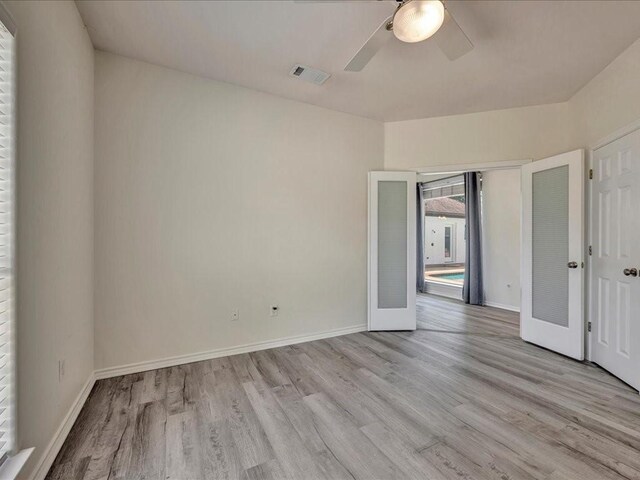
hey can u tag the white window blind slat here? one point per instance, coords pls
(7, 291)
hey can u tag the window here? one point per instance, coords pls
(444, 230)
(7, 228)
(447, 242)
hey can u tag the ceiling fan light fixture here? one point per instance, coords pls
(417, 20)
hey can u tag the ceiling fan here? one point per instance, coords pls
(414, 21)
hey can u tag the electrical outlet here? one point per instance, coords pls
(235, 315)
(273, 310)
(61, 369)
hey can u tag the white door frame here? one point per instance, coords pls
(471, 167)
(591, 320)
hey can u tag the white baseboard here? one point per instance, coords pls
(502, 306)
(49, 454)
(222, 352)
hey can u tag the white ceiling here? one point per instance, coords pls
(526, 52)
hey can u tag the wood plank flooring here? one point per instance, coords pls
(461, 398)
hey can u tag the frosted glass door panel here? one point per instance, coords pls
(550, 277)
(392, 244)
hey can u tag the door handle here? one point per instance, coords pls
(572, 264)
(630, 272)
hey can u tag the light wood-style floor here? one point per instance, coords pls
(461, 398)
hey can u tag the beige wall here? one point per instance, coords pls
(501, 237)
(211, 197)
(608, 102)
(55, 215)
(514, 134)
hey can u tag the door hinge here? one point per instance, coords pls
(589, 327)
(591, 174)
(590, 250)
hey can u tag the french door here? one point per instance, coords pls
(552, 312)
(392, 251)
(615, 261)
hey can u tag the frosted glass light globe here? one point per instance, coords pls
(417, 20)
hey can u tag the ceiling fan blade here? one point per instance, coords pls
(370, 48)
(451, 39)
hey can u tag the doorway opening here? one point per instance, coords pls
(444, 234)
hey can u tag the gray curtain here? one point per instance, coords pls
(419, 239)
(473, 290)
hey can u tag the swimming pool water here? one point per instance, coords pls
(450, 276)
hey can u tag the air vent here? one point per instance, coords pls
(308, 74)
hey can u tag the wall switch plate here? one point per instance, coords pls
(273, 310)
(235, 315)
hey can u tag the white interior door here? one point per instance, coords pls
(552, 313)
(615, 261)
(392, 251)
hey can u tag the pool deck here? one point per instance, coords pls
(432, 276)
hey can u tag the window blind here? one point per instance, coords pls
(7, 273)
(444, 187)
